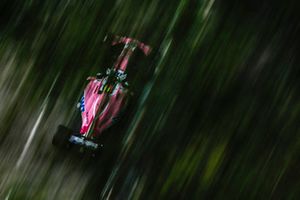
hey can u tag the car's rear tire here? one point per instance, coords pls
(61, 137)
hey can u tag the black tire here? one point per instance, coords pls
(61, 137)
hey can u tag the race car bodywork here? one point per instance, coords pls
(104, 98)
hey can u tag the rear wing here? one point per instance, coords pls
(133, 43)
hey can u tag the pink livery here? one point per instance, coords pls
(106, 95)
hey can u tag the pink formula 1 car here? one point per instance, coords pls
(104, 98)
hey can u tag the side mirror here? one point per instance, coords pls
(99, 76)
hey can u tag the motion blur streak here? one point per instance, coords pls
(30, 138)
(215, 111)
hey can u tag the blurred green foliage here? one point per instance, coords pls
(221, 113)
